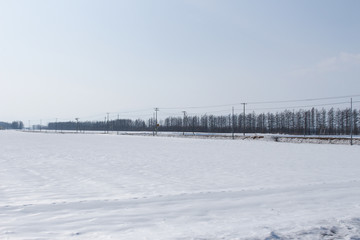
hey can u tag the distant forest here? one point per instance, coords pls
(304, 122)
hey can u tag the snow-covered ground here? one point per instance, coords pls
(97, 186)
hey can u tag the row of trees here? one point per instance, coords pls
(307, 122)
(13, 125)
(113, 125)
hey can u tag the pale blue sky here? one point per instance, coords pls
(72, 58)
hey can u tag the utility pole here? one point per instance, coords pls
(107, 124)
(351, 122)
(233, 128)
(77, 124)
(244, 118)
(40, 124)
(193, 125)
(152, 123)
(156, 122)
(117, 125)
(29, 126)
(305, 121)
(184, 122)
(56, 125)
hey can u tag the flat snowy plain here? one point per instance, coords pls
(97, 186)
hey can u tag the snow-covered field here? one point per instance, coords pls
(97, 186)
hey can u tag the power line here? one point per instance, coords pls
(124, 112)
(98, 116)
(213, 106)
(305, 100)
(258, 109)
(303, 106)
(265, 102)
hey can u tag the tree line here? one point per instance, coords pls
(299, 122)
(111, 125)
(13, 125)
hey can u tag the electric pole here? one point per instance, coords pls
(184, 122)
(77, 124)
(117, 125)
(152, 123)
(351, 122)
(107, 124)
(305, 122)
(56, 125)
(156, 122)
(40, 124)
(244, 118)
(233, 128)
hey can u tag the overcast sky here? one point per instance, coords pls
(73, 58)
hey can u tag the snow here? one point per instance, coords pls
(99, 186)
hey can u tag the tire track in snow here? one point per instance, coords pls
(122, 216)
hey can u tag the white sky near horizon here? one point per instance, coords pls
(83, 58)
